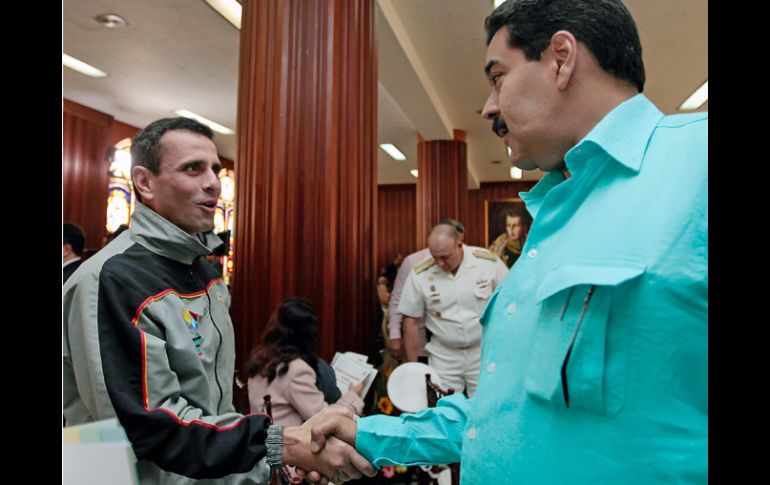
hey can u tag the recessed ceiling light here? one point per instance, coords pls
(696, 99)
(394, 152)
(81, 67)
(110, 20)
(516, 173)
(211, 124)
(229, 9)
(414, 173)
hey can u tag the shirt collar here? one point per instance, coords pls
(162, 237)
(623, 134)
(534, 198)
(70, 261)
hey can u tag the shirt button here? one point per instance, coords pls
(472, 433)
(532, 253)
(511, 308)
(491, 367)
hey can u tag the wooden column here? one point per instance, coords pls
(442, 183)
(85, 171)
(306, 168)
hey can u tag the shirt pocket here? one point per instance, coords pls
(483, 291)
(572, 364)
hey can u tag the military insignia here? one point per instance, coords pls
(191, 319)
(219, 297)
(480, 253)
(436, 300)
(424, 265)
(432, 288)
(438, 314)
(430, 278)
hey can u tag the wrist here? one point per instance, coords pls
(292, 441)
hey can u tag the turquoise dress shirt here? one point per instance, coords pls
(631, 224)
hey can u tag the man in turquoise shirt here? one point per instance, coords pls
(594, 363)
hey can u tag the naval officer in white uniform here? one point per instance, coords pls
(450, 290)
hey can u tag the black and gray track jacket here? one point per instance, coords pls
(147, 338)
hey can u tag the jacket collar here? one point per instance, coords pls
(164, 238)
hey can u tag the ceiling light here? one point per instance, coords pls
(394, 152)
(516, 173)
(211, 124)
(110, 20)
(81, 67)
(229, 9)
(696, 99)
(414, 173)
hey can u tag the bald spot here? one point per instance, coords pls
(441, 235)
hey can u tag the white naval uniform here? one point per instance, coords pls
(451, 306)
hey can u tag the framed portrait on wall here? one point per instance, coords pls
(506, 224)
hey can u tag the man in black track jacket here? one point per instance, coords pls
(147, 336)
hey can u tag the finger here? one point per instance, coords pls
(313, 477)
(324, 425)
(338, 409)
(362, 464)
(339, 426)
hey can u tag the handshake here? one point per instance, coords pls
(323, 448)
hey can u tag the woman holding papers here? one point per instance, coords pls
(285, 366)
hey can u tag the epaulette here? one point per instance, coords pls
(424, 265)
(480, 253)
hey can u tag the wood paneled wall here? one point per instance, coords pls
(396, 227)
(474, 226)
(442, 187)
(85, 140)
(306, 169)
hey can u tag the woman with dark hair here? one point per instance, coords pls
(286, 367)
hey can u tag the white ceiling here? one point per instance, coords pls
(176, 54)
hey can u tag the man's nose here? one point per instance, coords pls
(491, 109)
(212, 182)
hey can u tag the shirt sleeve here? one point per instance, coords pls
(412, 303)
(302, 393)
(307, 399)
(433, 436)
(394, 316)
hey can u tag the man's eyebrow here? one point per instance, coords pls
(490, 65)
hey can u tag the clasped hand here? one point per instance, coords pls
(323, 448)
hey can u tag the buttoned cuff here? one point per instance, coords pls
(274, 445)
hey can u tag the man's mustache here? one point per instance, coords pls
(498, 126)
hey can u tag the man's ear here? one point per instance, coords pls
(143, 182)
(562, 53)
(67, 250)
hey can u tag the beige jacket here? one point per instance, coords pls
(294, 395)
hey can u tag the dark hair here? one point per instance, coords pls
(291, 333)
(146, 147)
(73, 235)
(605, 26)
(520, 212)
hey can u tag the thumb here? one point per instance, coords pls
(335, 424)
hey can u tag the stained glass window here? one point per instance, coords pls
(120, 194)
